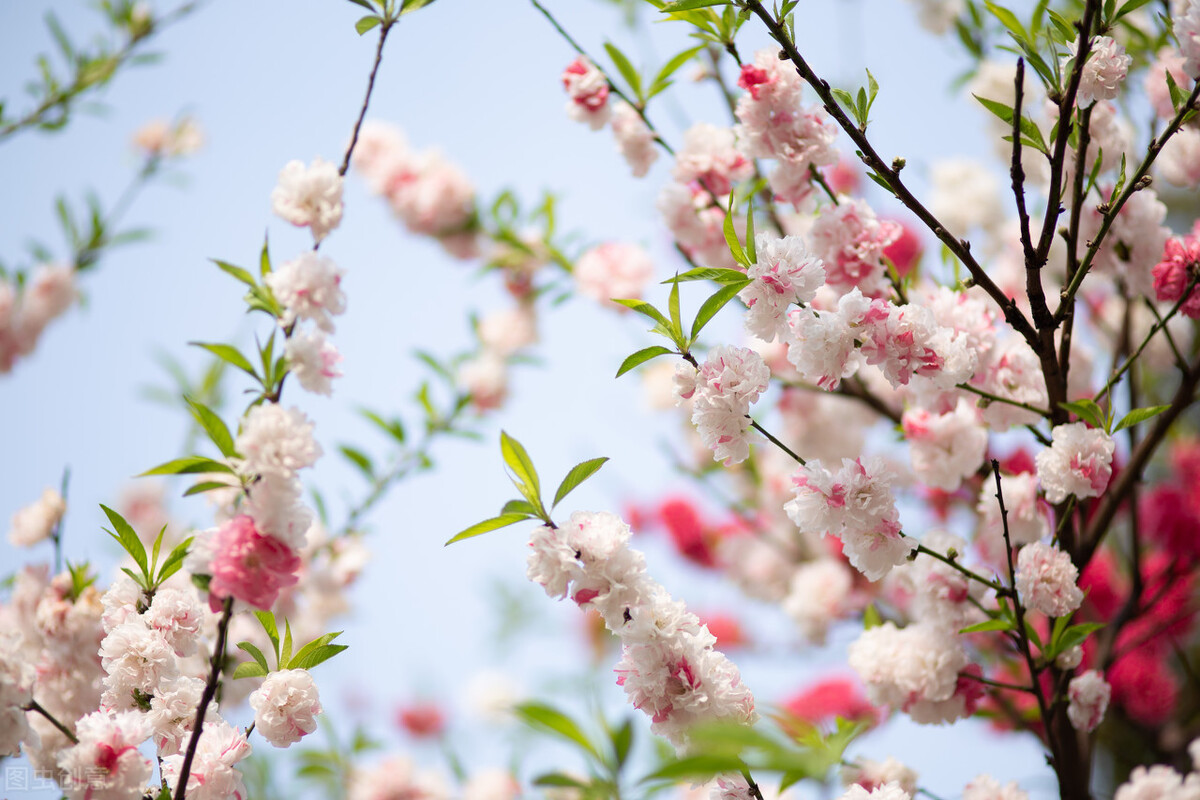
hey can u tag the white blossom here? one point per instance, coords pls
(313, 359)
(36, 522)
(1078, 462)
(286, 706)
(1047, 580)
(783, 274)
(308, 287)
(309, 196)
(1089, 694)
(276, 442)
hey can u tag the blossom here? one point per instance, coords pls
(1089, 694)
(1158, 782)
(137, 659)
(173, 712)
(905, 667)
(16, 690)
(985, 787)
(37, 521)
(275, 505)
(485, 380)
(249, 566)
(1135, 241)
(634, 138)
(613, 270)
(1187, 31)
(1155, 82)
(710, 158)
(965, 195)
(1105, 69)
(945, 448)
(1047, 580)
(855, 505)
(784, 273)
(435, 197)
(587, 89)
(850, 239)
(727, 383)
(510, 331)
(309, 196)
(286, 706)
(48, 294)
(1027, 521)
(106, 764)
(871, 775)
(160, 138)
(276, 441)
(313, 359)
(823, 345)
(397, 778)
(1179, 266)
(1078, 462)
(940, 594)
(212, 776)
(937, 16)
(887, 791)
(821, 593)
(308, 287)
(1179, 160)
(696, 223)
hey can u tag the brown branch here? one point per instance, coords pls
(210, 691)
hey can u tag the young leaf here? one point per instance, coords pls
(871, 617)
(249, 669)
(366, 23)
(128, 539)
(1009, 20)
(188, 466)
(998, 624)
(519, 507)
(646, 310)
(255, 653)
(537, 715)
(174, 561)
(237, 272)
(522, 467)
(709, 274)
(626, 69)
(205, 486)
(1087, 410)
(641, 357)
(488, 525)
(673, 308)
(230, 355)
(735, 247)
(710, 307)
(751, 253)
(662, 79)
(316, 651)
(359, 459)
(1137, 416)
(213, 426)
(578, 474)
(267, 620)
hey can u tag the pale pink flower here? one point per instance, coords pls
(824, 344)
(727, 383)
(137, 659)
(773, 124)
(309, 196)
(937, 593)
(850, 239)
(945, 448)
(173, 712)
(314, 360)
(276, 441)
(507, 332)
(965, 195)
(308, 287)
(1012, 371)
(1047, 580)
(159, 138)
(485, 379)
(784, 274)
(1158, 782)
(710, 158)
(275, 504)
(49, 293)
(985, 787)
(1135, 240)
(1179, 160)
(249, 566)
(380, 148)
(1027, 516)
(887, 791)
(213, 776)
(36, 522)
(286, 706)
(904, 667)
(1089, 694)
(434, 197)
(1178, 267)
(397, 778)
(1078, 462)
(821, 593)
(16, 690)
(491, 784)
(1187, 31)
(588, 90)
(613, 270)
(937, 16)
(1106, 67)
(696, 223)
(906, 342)
(106, 764)
(634, 138)
(872, 774)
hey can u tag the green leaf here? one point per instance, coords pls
(267, 620)
(646, 310)
(249, 669)
(1028, 127)
(709, 274)
(364, 4)
(1138, 415)
(188, 466)
(1075, 635)
(696, 768)
(213, 426)
(1128, 7)
(253, 651)
(735, 247)
(519, 507)
(625, 68)
(264, 257)
(688, 5)
(673, 308)
(1009, 20)
(559, 779)
(998, 624)
(1087, 410)
(710, 307)
(871, 617)
(304, 658)
(174, 561)
(751, 253)
(359, 459)
(205, 486)
(487, 526)
(622, 740)
(285, 652)
(547, 718)
(409, 6)
(230, 355)
(577, 475)
(237, 272)
(662, 79)
(128, 539)
(525, 476)
(641, 357)
(392, 427)
(366, 23)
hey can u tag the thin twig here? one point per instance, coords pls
(210, 690)
(35, 706)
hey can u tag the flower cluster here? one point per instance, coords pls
(26, 311)
(722, 391)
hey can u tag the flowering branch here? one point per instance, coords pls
(210, 690)
(34, 705)
(891, 176)
(998, 588)
(384, 27)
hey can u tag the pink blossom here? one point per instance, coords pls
(613, 270)
(587, 89)
(851, 240)
(1105, 69)
(1180, 265)
(1089, 694)
(1078, 462)
(249, 566)
(1047, 580)
(710, 158)
(634, 138)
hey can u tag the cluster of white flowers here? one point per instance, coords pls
(1047, 580)
(397, 777)
(774, 124)
(668, 666)
(213, 774)
(784, 273)
(873, 774)
(106, 762)
(25, 313)
(286, 706)
(931, 591)
(1186, 23)
(309, 196)
(1159, 782)
(850, 239)
(635, 140)
(855, 505)
(722, 391)
(821, 593)
(309, 288)
(1089, 694)
(1078, 462)
(946, 448)
(903, 341)
(428, 193)
(16, 690)
(1105, 69)
(613, 270)
(36, 521)
(985, 787)
(886, 791)
(915, 669)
